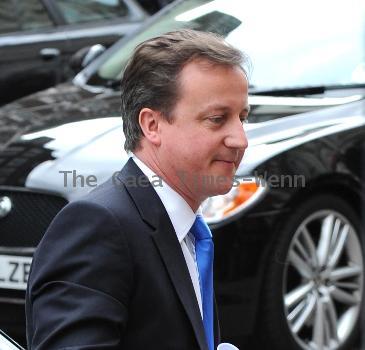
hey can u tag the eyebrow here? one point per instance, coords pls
(246, 109)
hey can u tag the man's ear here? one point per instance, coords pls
(149, 121)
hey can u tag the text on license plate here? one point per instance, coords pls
(14, 271)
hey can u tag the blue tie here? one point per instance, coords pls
(204, 250)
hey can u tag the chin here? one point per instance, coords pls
(214, 184)
(219, 190)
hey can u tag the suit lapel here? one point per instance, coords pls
(153, 212)
(171, 253)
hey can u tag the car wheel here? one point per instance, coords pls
(315, 279)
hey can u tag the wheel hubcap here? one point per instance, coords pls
(323, 281)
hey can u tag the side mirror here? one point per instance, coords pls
(6, 343)
(81, 58)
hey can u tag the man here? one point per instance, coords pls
(121, 268)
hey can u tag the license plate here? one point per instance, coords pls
(14, 271)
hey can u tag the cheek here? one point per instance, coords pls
(177, 153)
(191, 157)
(188, 148)
(207, 147)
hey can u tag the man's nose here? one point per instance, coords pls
(237, 137)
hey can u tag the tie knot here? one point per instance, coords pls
(200, 229)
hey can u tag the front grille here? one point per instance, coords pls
(29, 217)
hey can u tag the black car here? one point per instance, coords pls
(289, 237)
(38, 38)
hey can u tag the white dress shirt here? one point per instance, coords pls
(182, 218)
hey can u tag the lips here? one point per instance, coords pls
(229, 158)
(228, 161)
(229, 164)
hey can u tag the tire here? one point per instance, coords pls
(313, 287)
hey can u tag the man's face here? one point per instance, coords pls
(203, 146)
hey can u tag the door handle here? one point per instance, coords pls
(49, 53)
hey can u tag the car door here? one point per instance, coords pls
(31, 49)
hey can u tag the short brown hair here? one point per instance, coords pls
(151, 75)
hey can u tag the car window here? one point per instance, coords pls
(8, 22)
(32, 15)
(322, 53)
(79, 11)
(23, 15)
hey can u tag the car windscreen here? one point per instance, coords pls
(289, 43)
(84, 11)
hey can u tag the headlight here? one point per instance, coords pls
(245, 192)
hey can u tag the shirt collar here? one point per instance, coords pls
(181, 215)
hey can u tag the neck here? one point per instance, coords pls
(173, 180)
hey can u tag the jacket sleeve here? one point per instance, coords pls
(80, 282)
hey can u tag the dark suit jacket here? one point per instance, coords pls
(110, 274)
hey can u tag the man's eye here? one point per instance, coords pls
(216, 119)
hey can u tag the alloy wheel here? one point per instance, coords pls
(323, 281)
